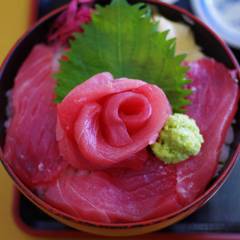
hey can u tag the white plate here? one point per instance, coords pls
(223, 16)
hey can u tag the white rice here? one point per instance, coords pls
(225, 151)
(9, 109)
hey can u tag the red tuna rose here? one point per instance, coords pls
(106, 122)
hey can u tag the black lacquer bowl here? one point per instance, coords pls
(211, 45)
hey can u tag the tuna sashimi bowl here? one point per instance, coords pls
(120, 117)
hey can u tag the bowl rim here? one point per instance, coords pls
(199, 201)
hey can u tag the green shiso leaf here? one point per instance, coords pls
(123, 39)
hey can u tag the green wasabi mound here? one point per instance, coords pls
(179, 139)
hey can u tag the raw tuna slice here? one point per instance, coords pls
(105, 122)
(31, 147)
(214, 103)
(116, 196)
(128, 195)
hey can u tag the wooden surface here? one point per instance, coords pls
(14, 19)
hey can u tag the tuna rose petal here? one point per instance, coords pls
(106, 122)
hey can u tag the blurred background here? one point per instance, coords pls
(15, 17)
